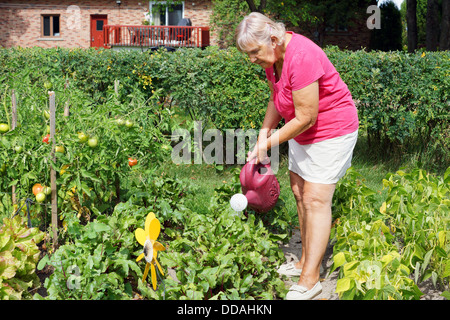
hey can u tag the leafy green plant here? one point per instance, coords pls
(385, 250)
(19, 255)
(417, 207)
(370, 265)
(218, 255)
(100, 261)
(221, 256)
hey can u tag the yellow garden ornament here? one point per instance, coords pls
(147, 238)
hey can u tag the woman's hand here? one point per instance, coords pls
(259, 153)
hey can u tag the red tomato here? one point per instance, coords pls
(37, 188)
(46, 139)
(132, 162)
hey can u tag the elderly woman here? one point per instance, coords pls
(321, 125)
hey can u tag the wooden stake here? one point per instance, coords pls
(67, 106)
(116, 86)
(54, 197)
(13, 126)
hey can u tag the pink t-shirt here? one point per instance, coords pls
(304, 63)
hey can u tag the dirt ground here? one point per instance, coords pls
(292, 251)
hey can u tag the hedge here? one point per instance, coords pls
(402, 98)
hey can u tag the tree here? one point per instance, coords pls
(225, 17)
(432, 27)
(314, 15)
(424, 26)
(389, 37)
(444, 42)
(260, 8)
(411, 20)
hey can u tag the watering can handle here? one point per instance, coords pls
(258, 178)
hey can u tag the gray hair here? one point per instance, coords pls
(258, 29)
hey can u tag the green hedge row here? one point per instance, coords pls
(402, 98)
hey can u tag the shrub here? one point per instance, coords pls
(402, 101)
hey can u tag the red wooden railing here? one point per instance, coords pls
(154, 36)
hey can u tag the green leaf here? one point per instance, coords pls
(343, 284)
(339, 260)
(43, 262)
(446, 272)
(446, 295)
(100, 227)
(426, 260)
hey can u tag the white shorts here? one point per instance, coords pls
(322, 162)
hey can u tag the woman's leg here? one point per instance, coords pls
(314, 212)
(297, 184)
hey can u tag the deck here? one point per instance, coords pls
(155, 36)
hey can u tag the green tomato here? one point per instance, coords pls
(166, 147)
(83, 137)
(60, 149)
(18, 149)
(120, 122)
(40, 197)
(4, 127)
(48, 85)
(46, 114)
(129, 123)
(47, 191)
(93, 142)
(3, 168)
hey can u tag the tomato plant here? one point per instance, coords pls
(91, 151)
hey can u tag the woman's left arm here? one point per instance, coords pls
(306, 104)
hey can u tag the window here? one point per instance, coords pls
(99, 26)
(50, 26)
(336, 28)
(162, 14)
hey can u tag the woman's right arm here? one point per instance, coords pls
(272, 117)
(271, 120)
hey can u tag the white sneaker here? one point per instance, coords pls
(297, 292)
(289, 270)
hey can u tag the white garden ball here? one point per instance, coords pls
(238, 202)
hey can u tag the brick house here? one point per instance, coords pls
(64, 23)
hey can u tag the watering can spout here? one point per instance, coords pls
(260, 186)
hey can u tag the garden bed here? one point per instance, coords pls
(104, 188)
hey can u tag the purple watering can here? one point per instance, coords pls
(260, 186)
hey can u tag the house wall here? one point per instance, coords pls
(20, 21)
